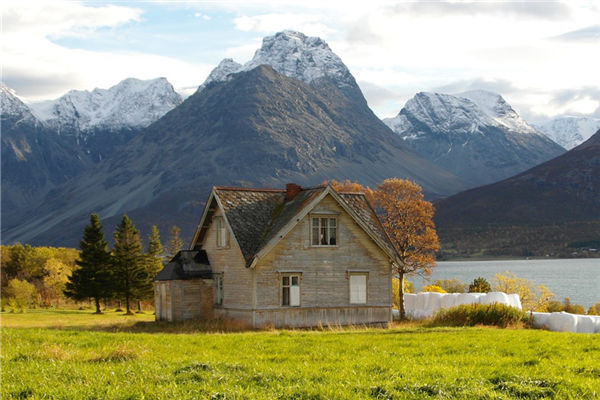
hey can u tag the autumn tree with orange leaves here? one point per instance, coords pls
(408, 221)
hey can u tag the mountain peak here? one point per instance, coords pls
(132, 103)
(294, 55)
(12, 107)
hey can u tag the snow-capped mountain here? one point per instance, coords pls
(13, 108)
(476, 135)
(570, 131)
(294, 55)
(131, 104)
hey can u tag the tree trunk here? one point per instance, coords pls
(401, 296)
(97, 301)
(139, 304)
(127, 306)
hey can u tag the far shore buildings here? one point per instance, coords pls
(291, 257)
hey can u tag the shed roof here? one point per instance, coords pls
(187, 264)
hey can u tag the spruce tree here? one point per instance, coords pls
(153, 258)
(129, 265)
(93, 277)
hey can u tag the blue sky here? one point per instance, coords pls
(541, 56)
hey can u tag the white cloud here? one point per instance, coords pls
(40, 69)
(310, 24)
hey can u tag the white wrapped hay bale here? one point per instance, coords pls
(541, 320)
(467, 298)
(596, 323)
(448, 300)
(432, 304)
(514, 301)
(410, 302)
(563, 322)
(585, 324)
(494, 297)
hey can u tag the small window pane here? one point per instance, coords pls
(315, 231)
(324, 231)
(294, 281)
(332, 222)
(358, 289)
(285, 299)
(332, 236)
(295, 296)
(286, 281)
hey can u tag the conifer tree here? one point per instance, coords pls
(175, 243)
(129, 265)
(93, 277)
(153, 259)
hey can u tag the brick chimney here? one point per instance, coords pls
(291, 190)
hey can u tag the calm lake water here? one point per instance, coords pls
(578, 279)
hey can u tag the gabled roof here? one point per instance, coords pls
(259, 218)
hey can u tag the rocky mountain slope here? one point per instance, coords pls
(34, 158)
(103, 119)
(258, 128)
(557, 202)
(570, 131)
(475, 135)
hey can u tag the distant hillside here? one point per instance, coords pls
(551, 208)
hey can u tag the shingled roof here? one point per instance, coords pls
(187, 264)
(258, 216)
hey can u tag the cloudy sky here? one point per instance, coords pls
(542, 56)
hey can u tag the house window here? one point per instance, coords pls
(290, 290)
(221, 232)
(324, 231)
(358, 289)
(218, 289)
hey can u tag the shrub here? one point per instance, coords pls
(594, 309)
(532, 298)
(480, 314)
(555, 306)
(433, 288)
(480, 285)
(21, 295)
(572, 308)
(451, 285)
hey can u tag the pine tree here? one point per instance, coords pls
(129, 265)
(93, 277)
(175, 243)
(153, 260)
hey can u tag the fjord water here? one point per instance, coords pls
(578, 279)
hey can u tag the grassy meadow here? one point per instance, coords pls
(78, 355)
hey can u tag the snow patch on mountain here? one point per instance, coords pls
(12, 106)
(130, 104)
(467, 112)
(292, 54)
(570, 131)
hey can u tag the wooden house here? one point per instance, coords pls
(289, 257)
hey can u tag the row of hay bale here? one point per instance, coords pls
(425, 305)
(565, 322)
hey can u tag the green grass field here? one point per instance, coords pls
(78, 355)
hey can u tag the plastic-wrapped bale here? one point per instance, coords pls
(585, 324)
(410, 301)
(494, 297)
(541, 319)
(596, 323)
(432, 304)
(514, 301)
(467, 298)
(563, 322)
(448, 300)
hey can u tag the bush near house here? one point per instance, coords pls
(480, 314)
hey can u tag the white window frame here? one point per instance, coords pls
(222, 234)
(332, 222)
(291, 282)
(356, 296)
(218, 298)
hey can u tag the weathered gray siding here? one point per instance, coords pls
(237, 279)
(184, 299)
(324, 283)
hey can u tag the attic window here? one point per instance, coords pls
(222, 237)
(324, 231)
